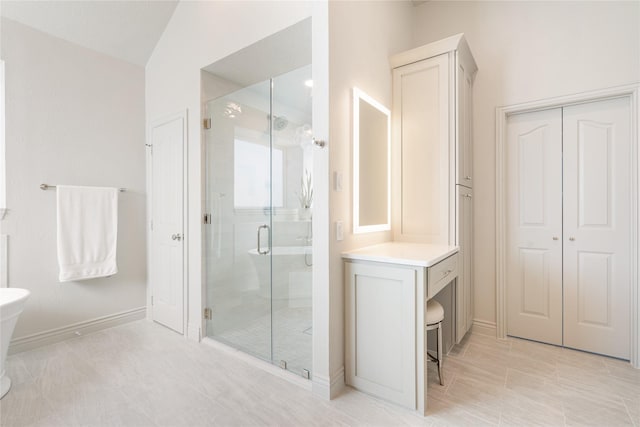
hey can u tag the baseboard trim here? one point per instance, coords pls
(484, 327)
(193, 332)
(52, 336)
(321, 386)
(337, 383)
(328, 388)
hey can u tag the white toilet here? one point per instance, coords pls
(12, 302)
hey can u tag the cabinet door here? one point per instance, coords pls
(381, 331)
(597, 184)
(534, 226)
(464, 240)
(422, 194)
(464, 137)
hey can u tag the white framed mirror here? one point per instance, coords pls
(371, 164)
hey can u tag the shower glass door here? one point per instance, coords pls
(258, 240)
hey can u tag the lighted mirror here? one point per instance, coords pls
(371, 161)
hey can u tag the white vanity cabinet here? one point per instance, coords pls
(433, 155)
(386, 291)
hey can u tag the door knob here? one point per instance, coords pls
(177, 237)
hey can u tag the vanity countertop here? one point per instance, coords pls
(414, 254)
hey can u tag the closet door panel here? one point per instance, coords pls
(464, 240)
(596, 164)
(464, 145)
(422, 98)
(534, 223)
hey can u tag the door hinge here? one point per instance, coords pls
(207, 313)
(207, 218)
(206, 123)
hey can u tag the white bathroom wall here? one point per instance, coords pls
(528, 51)
(362, 37)
(73, 116)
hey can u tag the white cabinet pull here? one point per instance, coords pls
(444, 273)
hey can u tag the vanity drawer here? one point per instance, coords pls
(441, 274)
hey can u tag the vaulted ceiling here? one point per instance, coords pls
(128, 30)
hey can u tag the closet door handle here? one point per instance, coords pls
(260, 251)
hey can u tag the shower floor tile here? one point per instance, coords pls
(291, 337)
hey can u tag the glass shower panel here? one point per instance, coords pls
(259, 192)
(292, 260)
(239, 198)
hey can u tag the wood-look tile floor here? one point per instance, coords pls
(142, 374)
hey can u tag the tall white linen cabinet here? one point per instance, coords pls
(432, 197)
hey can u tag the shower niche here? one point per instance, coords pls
(259, 199)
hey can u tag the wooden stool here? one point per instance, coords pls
(435, 316)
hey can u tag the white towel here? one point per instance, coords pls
(87, 232)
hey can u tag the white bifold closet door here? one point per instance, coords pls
(534, 223)
(569, 226)
(597, 215)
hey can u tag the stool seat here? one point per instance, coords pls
(435, 312)
(434, 318)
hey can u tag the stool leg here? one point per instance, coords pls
(440, 353)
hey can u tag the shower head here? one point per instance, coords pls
(279, 123)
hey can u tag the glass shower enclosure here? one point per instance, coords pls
(258, 236)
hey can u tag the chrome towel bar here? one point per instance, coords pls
(49, 187)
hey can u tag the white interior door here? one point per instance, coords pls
(534, 224)
(597, 243)
(167, 223)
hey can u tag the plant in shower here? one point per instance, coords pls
(306, 191)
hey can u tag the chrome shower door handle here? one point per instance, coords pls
(260, 251)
